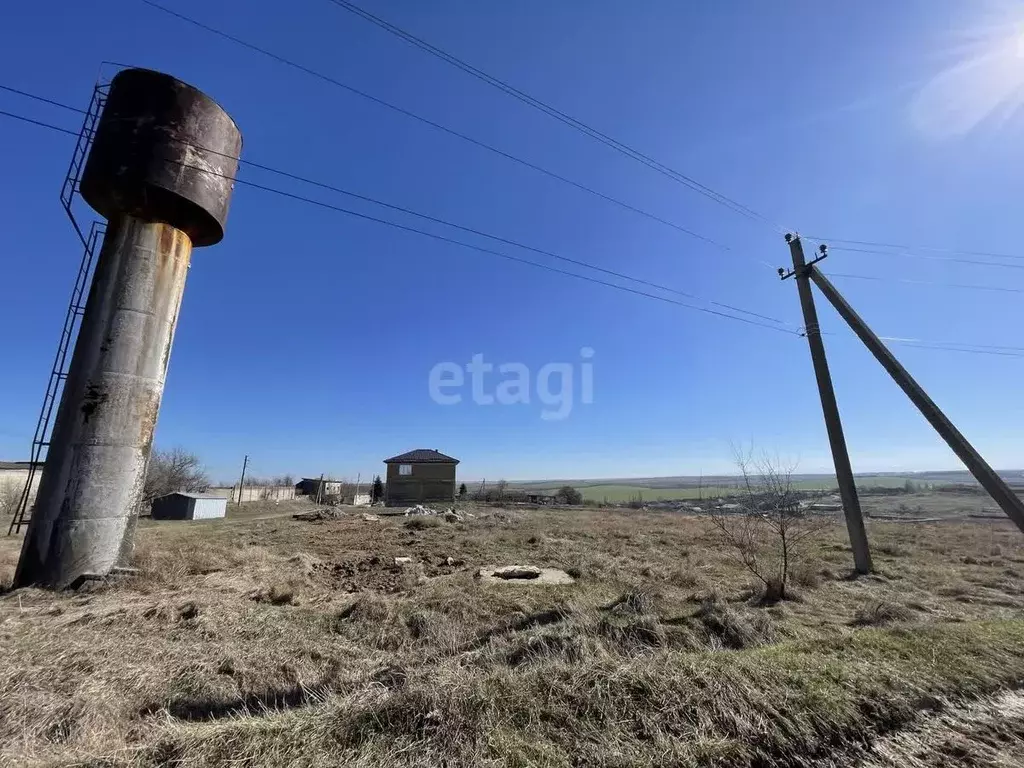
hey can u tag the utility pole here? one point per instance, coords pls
(997, 488)
(830, 409)
(241, 482)
(320, 489)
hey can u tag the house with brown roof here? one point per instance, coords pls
(422, 476)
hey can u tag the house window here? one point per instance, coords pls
(405, 469)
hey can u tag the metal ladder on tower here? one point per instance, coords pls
(58, 375)
(76, 308)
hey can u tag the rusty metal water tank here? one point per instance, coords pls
(163, 151)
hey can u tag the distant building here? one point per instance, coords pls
(315, 487)
(189, 506)
(539, 497)
(422, 476)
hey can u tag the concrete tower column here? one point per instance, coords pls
(161, 170)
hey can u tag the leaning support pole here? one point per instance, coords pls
(1010, 503)
(830, 409)
(160, 169)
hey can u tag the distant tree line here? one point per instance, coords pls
(263, 482)
(499, 493)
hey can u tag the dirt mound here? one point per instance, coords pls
(370, 573)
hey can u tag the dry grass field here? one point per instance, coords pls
(268, 641)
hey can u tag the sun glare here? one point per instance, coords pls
(986, 85)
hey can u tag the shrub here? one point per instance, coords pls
(807, 575)
(568, 495)
(892, 550)
(422, 522)
(725, 626)
(882, 614)
(631, 635)
(769, 532)
(10, 495)
(638, 602)
(546, 646)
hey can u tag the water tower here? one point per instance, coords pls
(161, 170)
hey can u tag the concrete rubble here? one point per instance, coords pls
(517, 572)
(523, 574)
(419, 509)
(450, 514)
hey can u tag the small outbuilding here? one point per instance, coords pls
(182, 505)
(318, 488)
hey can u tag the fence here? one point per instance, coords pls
(256, 493)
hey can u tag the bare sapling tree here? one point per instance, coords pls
(499, 490)
(174, 470)
(10, 496)
(766, 527)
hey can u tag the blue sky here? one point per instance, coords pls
(307, 337)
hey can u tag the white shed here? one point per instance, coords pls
(181, 505)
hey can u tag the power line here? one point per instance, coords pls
(951, 344)
(44, 100)
(426, 121)
(1007, 351)
(966, 348)
(41, 98)
(444, 222)
(963, 286)
(500, 239)
(930, 256)
(38, 122)
(953, 251)
(442, 238)
(557, 114)
(944, 346)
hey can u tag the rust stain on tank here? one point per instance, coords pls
(166, 238)
(147, 416)
(174, 256)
